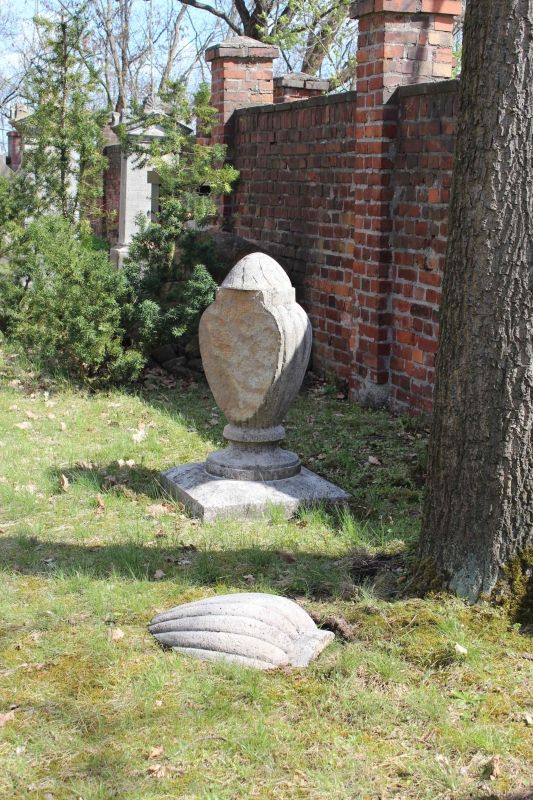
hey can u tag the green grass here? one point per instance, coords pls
(393, 712)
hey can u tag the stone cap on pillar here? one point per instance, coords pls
(235, 47)
(361, 8)
(301, 80)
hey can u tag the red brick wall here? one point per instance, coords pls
(305, 198)
(396, 46)
(421, 181)
(294, 198)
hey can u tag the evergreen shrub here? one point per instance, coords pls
(63, 301)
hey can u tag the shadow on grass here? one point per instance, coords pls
(319, 577)
(124, 479)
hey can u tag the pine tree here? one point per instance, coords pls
(63, 133)
(166, 267)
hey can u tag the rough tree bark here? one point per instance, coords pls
(479, 505)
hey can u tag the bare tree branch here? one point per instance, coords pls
(215, 12)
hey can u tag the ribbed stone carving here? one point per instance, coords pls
(255, 342)
(254, 629)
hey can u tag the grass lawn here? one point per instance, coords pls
(91, 549)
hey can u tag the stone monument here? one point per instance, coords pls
(255, 342)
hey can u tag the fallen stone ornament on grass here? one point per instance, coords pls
(257, 630)
(255, 342)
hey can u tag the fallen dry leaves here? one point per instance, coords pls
(164, 771)
(139, 434)
(158, 510)
(24, 426)
(9, 716)
(493, 768)
(117, 634)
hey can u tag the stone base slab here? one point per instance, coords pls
(119, 254)
(208, 497)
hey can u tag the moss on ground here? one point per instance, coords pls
(514, 591)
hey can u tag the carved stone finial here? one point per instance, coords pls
(255, 342)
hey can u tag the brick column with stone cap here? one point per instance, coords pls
(298, 86)
(241, 75)
(400, 42)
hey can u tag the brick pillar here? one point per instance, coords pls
(14, 137)
(14, 149)
(298, 86)
(400, 42)
(241, 75)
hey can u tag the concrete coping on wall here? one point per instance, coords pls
(361, 8)
(241, 47)
(439, 87)
(308, 102)
(301, 80)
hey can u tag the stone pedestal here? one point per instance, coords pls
(209, 498)
(255, 342)
(119, 254)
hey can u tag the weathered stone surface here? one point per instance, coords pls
(258, 630)
(209, 497)
(255, 342)
(239, 341)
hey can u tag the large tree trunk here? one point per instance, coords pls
(479, 504)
